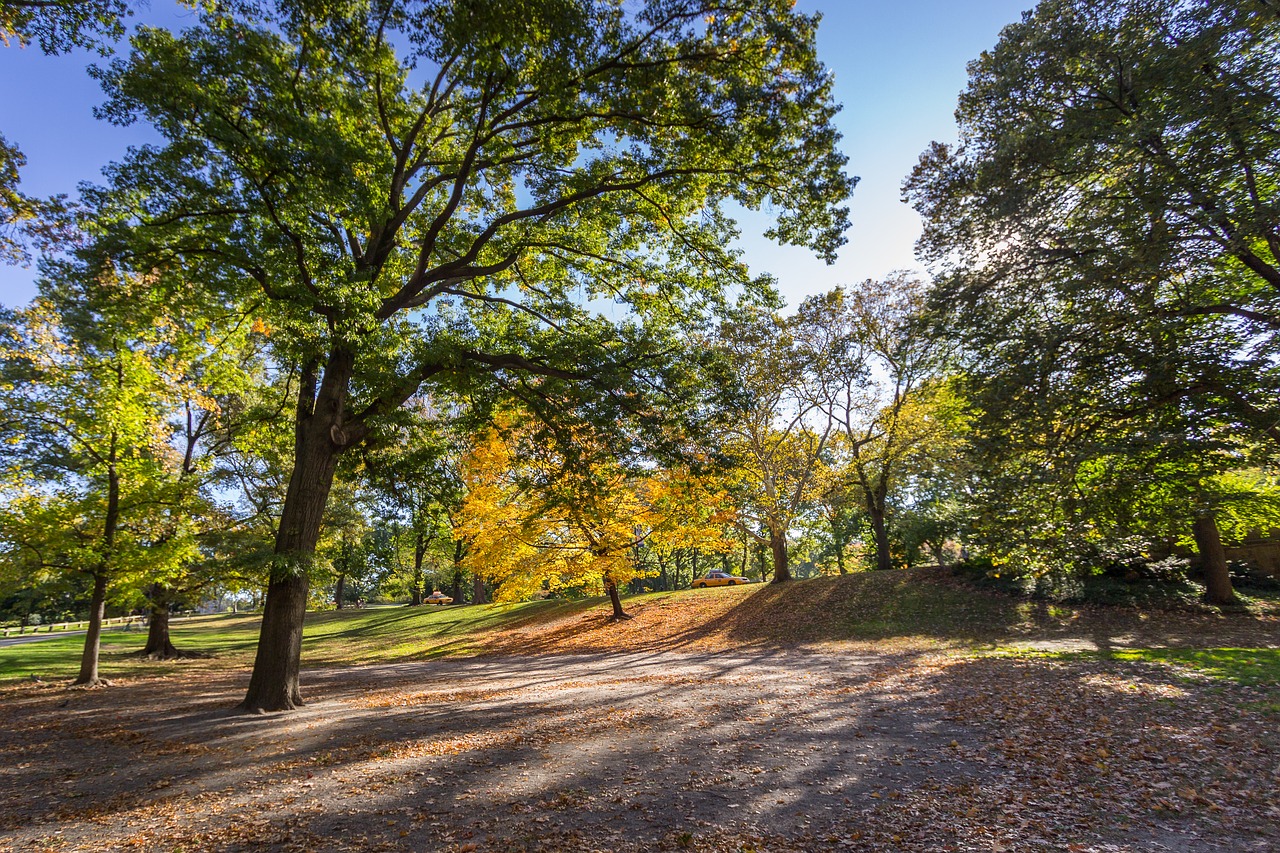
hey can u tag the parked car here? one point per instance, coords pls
(715, 577)
(437, 597)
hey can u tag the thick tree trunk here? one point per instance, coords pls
(615, 600)
(159, 645)
(880, 533)
(338, 591)
(88, 676)
(1213, 559)
(778, 545)
(274, 683)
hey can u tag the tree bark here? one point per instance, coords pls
(419, 555)
(274, 684)
(837, 538)
(456, 592)
(88, 676)
(159, 645)
(939, 554)
(339, 589)
(615, 600)
(778, 545)
(98, 602)
(1213, 559)
(880, 533)
(478, 595)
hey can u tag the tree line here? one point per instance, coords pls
(425, 294)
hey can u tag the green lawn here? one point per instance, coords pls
(331, 638)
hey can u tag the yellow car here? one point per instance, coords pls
(437, 597)
(715, 577)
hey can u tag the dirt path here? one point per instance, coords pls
(644, 751)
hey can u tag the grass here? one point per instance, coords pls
(1250, 667)
(331, 638)
(918, 609)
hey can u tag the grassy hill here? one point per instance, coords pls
(903, 610)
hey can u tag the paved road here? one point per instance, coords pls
(36, 638)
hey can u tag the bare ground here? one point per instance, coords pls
(642, 750)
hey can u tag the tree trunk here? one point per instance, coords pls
(939, 554)
(159, 646)
(778, 545)
(1213, 559)
(456, 592)
(612, 589)
(88, 676)
(338, 591)
(478, 595)
(837, 539)
(419, 555)
(274, 683)
(880, 534)
(98, 602)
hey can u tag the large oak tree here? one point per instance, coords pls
(1107, 234)
(449, 192)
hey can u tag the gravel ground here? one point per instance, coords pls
(652, 750)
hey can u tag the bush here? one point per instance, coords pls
(1125, 580)
(1245, 576)
(982, 573)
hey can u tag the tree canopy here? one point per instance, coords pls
(440, 192)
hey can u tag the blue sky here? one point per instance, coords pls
(898, 65)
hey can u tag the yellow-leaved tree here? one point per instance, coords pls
(538, 520)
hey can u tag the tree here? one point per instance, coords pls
(87, 395)
(1106, 232)
(421, 193)
(770, 438)
(876, 377)
(57, 26)
(536, 520)
(412, 475)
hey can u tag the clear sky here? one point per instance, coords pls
(899, 65)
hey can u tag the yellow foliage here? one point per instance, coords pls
(537, 523)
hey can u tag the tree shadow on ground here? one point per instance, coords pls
(648, 750)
